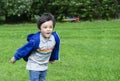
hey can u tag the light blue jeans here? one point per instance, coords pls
(38, 75)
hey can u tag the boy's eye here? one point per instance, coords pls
(45, 26)
(51, 26)
(48, 27)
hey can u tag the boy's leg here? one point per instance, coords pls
(43, 75)
(34, 75)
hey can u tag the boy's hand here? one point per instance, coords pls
(52, 62)
(12, 60)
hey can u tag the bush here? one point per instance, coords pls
(84, 9)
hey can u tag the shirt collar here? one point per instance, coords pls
(45, 40)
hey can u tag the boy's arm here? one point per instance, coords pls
(23, 51)
(55, 52)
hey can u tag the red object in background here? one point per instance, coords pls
(69, 19)
(76, 19)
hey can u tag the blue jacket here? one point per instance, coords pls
(33, 44)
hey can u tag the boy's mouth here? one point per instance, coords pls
(48, 33)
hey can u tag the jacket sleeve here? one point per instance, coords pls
(24, 50)
(55, 52)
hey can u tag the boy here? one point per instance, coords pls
(42, 47)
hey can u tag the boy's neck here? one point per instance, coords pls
(46, 38)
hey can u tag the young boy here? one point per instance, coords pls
(42, 47)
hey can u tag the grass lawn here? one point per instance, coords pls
(90, 51)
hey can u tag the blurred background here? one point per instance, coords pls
(15, 11)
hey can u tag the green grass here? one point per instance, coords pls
(90, 51)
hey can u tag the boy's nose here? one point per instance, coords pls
(48, 28)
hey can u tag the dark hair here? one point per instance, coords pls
(45, 17)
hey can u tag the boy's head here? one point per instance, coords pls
(45, 17)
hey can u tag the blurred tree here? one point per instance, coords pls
(25, 10)
(17, 10)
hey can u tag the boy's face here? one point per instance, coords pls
(46, 28)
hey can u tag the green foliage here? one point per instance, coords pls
(84, 9)
(1, 7)
(16, 10)
(17, 7)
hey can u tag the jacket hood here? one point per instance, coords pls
(32, 36)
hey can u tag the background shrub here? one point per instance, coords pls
(26, 10)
